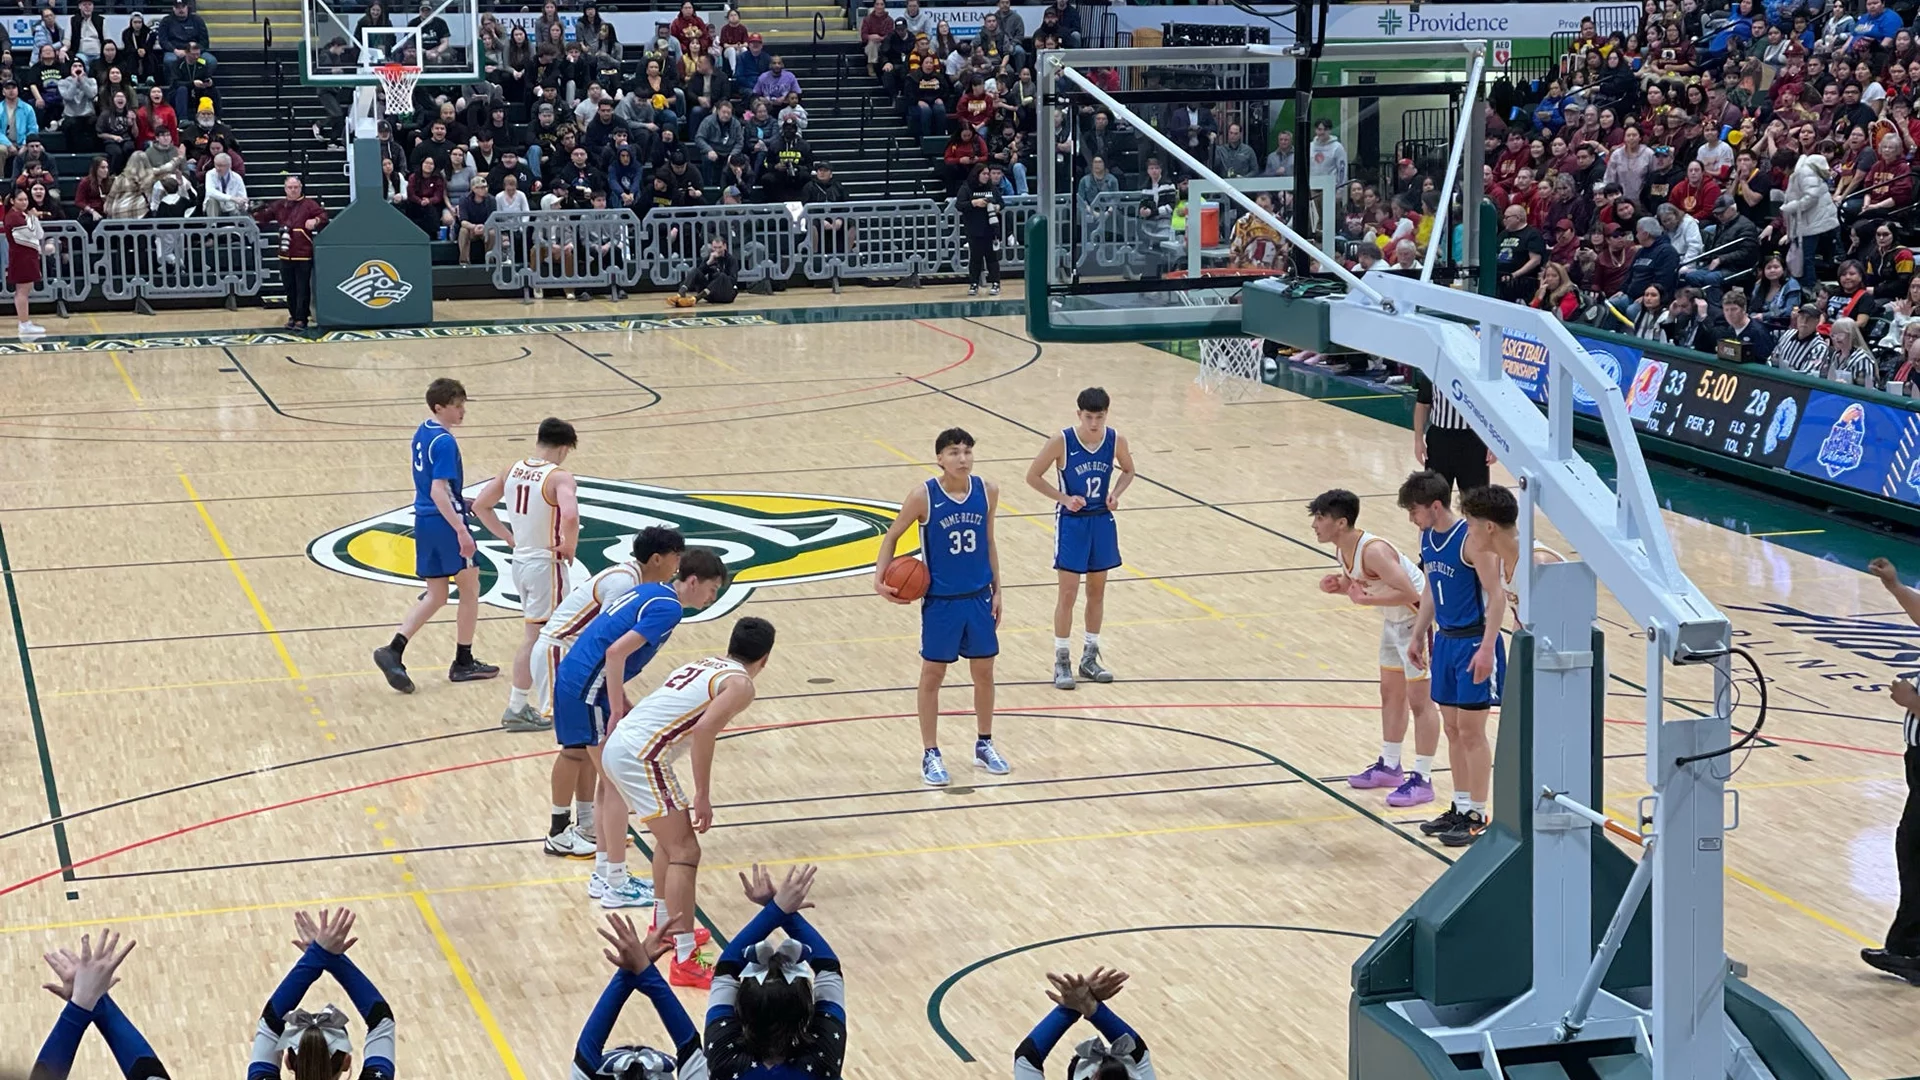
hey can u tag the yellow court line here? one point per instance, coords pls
(703, 354)
(240, 576)
(125, 377)
(465, 978)
(1771, 893)
(495, 886)
(1788, 532)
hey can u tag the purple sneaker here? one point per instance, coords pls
(1418, 789)
(1377, 775)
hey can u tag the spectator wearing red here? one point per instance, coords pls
(1555, 292)
(1889, 168)
(1696, 194)
(694, 33)
(156, 114)
(1514, 158)
(965, 149)
(1887, 266)
(975, 106)
(1530, 195)
(875, 29)
(296, 218)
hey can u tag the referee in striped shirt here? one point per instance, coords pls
(1901, 957)
(1443, 440)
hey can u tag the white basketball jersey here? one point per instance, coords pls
(1373, 586)
(534, 515)
(657, 726)
(590, 597)
(1513, 598)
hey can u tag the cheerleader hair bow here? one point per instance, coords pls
(1093, 1055)
(789, 957)
(330, 1022)
(637, 1063)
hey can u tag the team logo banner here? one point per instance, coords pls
(767, 539)
(375, 284)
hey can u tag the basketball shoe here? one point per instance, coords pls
(389, 664)
(632, 892)
(1377, 775)
(1062, 670)
(695, 972)
(932, 769)
(1416, 791)
(469, 671)
(1447, 820)
(1465, 830)
(987, 756)
(525, 718)
(1090, 668)
(569, 844)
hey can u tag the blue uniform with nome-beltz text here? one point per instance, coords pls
(436, 547)
(956, 618)
(580, 684)
(1086, 541)
(1459, 622)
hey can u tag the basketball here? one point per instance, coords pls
(908, 576)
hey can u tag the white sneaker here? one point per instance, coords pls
(31, 329)
(632, 892)
(596, 885)
(569, 844)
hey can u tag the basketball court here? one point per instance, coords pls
(196, 575)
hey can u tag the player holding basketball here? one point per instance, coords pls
(589, 694)
(687, 712)
(961, 613)
(656, 558)
(1375, 574)
(1095, 467)
(443, 549)
(541, 501)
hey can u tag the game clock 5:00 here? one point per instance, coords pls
(1741, 414)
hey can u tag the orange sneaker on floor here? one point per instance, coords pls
(696, 972)
(682, 301)
(701, 935)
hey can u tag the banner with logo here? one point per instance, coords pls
(20, 28)
(372, 266)
(1376, 22)
(1525, 360)
(1865, 445)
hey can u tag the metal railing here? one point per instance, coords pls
(146, 259)
(564, 249)
(63, 265)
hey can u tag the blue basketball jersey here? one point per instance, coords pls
(1452, 585)
(954, 540)
(436, 456)
(1088, 473)
(651, 610)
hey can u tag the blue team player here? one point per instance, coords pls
(1095, 467)
(961, 613)
(443, 549)
(587, 704)
(1466, 667)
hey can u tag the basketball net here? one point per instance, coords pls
(398, 80)
(1228, 365)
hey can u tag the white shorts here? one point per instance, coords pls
(648, 785)
(541, 583)
(1396, 635)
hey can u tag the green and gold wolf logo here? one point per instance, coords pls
(766, 538)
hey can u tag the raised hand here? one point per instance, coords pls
(1072, 992)
(332, 931)
(1106, 982)
(791, 896)
(759, 888)
(64, 965)
(630, 951)
(93, 976)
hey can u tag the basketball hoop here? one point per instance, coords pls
(1228, 365)
(398, 80)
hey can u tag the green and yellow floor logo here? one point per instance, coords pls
(766, 538)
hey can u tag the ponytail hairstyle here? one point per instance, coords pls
(775, 1005)
(316, 1044)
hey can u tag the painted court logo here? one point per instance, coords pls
(766, 538)
(376, 284)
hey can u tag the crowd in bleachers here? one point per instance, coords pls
(1734, 179)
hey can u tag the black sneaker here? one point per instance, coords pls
(1904, 967)
(389, 664)
(471, 671)
(1442, 823)
(1466, 829)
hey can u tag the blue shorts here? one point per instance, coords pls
(1453, 683)
(1086, 544)
(436, 548)
(955, 626)
(576, 721)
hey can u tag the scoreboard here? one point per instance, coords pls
(1751, 413)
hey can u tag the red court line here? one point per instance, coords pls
(224, 818)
